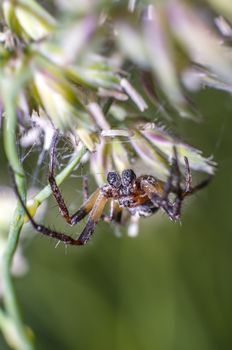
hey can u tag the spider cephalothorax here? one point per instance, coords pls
(128, 192)
(141, 196)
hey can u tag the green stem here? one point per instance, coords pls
(10, 301)
(11, 323)
(2, 318)
(21, 340)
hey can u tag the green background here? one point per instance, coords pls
(168, 288)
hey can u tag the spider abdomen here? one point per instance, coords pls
(145, 210)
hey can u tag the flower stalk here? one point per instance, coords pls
(19, 340)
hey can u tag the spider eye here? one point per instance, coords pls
(128, 177)
(114, 179)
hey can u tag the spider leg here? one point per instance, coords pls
(51, 178)
(115, 213)
(93, 218)
(169, 183)
(42, 229)
(172, 208)
(189, 189)
(174, 214)
(154, 191)
(158, 192)
(109, 218)
(95, 214)
(188, 177)
(85, 188)
(158, 200)
(85, 209)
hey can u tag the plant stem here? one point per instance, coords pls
(10, 301)
(21, 340)
(11, 323)
(2, 318)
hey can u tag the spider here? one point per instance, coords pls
(141, 196)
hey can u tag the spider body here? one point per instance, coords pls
(140, 196)
(128, 192)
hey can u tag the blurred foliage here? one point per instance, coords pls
(102, 73)
(170, 288)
